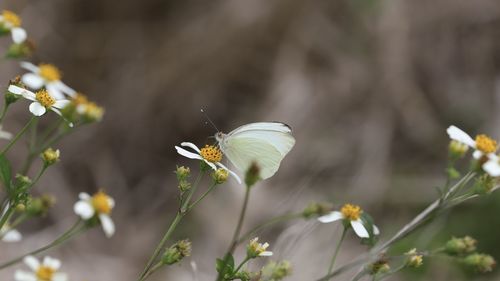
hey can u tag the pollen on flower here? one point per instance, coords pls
(45, 99)
(211, 153)
(351, 212)
(11, 18)
(49, 72)
(485, 144)
(45, 273)
(100, 202)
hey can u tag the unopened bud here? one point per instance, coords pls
(40, 206)
(380, 266)
(484, 184)
(177, 252)
(252, 175)
(480, 262)
(220, 176)
(182, 173)
(277, 270)
(457, 149)
(317, 209)
(460, 246)
(50, 156)
(413, 258)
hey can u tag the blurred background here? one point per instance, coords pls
(368, 87)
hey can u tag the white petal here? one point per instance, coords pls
(492, 168)
(65, 89)
(18, 35)
(32, 262)
(18, 90)
(52, 263)
(29, 66)
(188, 154)
(84, 196)
(5, 135)
(360, 229)
(12, 236)
(84, 209)
(230, 172)
(266, 254)
(212, 165)
(61, 103)
(191, 145)
(59, 276)
(461, 136)
(111, 202)
(477, 154)
(37, 109)
(107, 225)
(331, 217)
(32, 80)
(376, 231)
(54, 91)
(24, 276)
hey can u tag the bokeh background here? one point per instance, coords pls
(369, 88)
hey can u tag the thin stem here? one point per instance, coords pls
(191, 206)
(234, 240)
(171, 228)
(265, 224)
(152, 270)
(4, 111)
(241, 264)
(6, 216)
(73, 231)
(14, 140)
(337, 250)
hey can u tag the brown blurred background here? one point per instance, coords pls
(368, 87)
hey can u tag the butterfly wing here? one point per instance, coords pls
(266, 143)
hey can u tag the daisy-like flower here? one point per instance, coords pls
(483, 145)
(352, 214)
(48, 270)
(210, 154)
(256, 249)
(11, 22)
(41, 100)
(8, 234)
(4, 134)
(48, 76)
(99, 205)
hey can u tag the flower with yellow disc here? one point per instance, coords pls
(351, 214)
(41, 100)
(47, 270)
(46, 76)
(11, 22)
(210, 154)
(99, 205)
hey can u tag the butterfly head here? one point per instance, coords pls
(220, 136)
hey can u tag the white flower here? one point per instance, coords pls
(211, 155)
(352, 214)
(45, 271)
(41, 100)
(12, 22)
(48, 76)
(4, 134)
(256, 249)
(100, 205)
(8, 234)
(483, 144)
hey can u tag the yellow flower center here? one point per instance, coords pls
(486, 144)
(45, 273)
(100, 202)
(211, 153)
(44, 98)
(351, 212)
(12, 18)
(49, 72)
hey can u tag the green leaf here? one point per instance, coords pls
(5, 172)
(225, 266)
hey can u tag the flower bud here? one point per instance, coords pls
(483, 185)
(252, 175)
(317, 209)
(23, 180)
(277, 270)
(184, 186)
(20, 208)
(39, 206)
(220, 176)
(242, 275)
(11, 97)
(380, 266)
(457, 149)
(413, 258)
(22, 50)
(50, 156)
(255, 249)
(460, 246)
(182, 173)
(480, 262)
(177, 252)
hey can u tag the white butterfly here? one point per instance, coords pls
(265, 143)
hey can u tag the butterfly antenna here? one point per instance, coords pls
(209, 121)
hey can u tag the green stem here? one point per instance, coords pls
(19, 220)
(152, 270)
(234, 240)
(73, 231)
(241, 265)
(191, 206)
(14, 140)
(6, 216)
(272, 221)
(171, 228)
(337, 250)
(4, 111)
